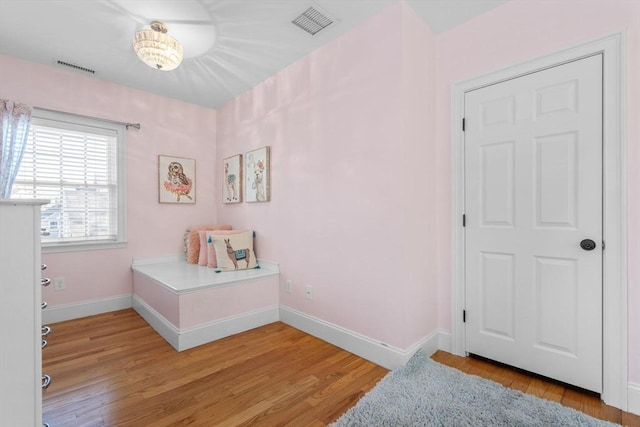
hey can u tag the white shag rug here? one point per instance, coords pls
(427, 393)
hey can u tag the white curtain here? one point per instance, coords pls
(14, 132)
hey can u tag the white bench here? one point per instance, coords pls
(190, 305)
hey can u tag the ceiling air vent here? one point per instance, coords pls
(76, 67)
(312, 21)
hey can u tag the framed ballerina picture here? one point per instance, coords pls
(176, 180)
(232, 179)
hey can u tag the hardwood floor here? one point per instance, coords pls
(579, 399)
(114, 370)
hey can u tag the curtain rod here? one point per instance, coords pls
(126, 125)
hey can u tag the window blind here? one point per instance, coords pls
(75, 167)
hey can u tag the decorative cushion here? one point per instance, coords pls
(193, 240)
(211, 250)
(211, 253)
(235, 251)
(185, 239)
(202, 256)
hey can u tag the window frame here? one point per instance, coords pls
(49, 118)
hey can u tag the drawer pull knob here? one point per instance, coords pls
(46, 381)
(43, 267)
(44, 343)
(46, 330)
(45, 281)
(44, 305)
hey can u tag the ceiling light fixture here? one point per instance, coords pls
(156, 48)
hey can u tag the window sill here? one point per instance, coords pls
(52, 248)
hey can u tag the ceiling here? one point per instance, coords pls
(229, 45)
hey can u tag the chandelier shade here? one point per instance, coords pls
(156, 48)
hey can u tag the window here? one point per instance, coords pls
(78, 164)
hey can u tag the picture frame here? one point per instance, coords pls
(176, 180)
(232, 179)
(257, 168)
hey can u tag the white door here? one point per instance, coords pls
(533, 193)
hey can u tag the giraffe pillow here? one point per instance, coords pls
(235, 251)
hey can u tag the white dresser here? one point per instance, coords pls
(21, 376)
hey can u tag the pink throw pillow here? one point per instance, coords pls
(202, 257)
(193, 240)
(211, 254)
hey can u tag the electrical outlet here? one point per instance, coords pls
(308, 290)
(58, 283)
(288, 286)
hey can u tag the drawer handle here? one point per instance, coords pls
(46, 330)
(46, 425)
(43, 267)
(44, 305)
(46, 381)
(44, 343)
(45, 282)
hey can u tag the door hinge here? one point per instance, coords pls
(464, 316)
(464, 220)
(463, 124)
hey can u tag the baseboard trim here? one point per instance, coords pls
(385, 355)
(157, 321)
(62, 312)
(633, 398)
(183, 339)
(444, 341)
(377, 352)
(227, 326)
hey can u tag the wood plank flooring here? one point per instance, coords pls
(114, 370)
(579, 399)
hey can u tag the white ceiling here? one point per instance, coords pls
(229, 45)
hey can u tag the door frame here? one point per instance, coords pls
(614, 262)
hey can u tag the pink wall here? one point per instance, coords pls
(418, 143)
(329, 190)
(361, 189)
(167, 127)
(352, 177)
(516, 32)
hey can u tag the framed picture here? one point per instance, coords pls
(257, 170)
(176, 180)
(232, 179)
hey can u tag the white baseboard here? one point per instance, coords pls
(157, 321)
(183, 339)
(377, 352)
(60, 313)
(633, 398)
(228, 326)
(380, 353)
(444, 341)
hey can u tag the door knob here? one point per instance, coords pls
(588, 245)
